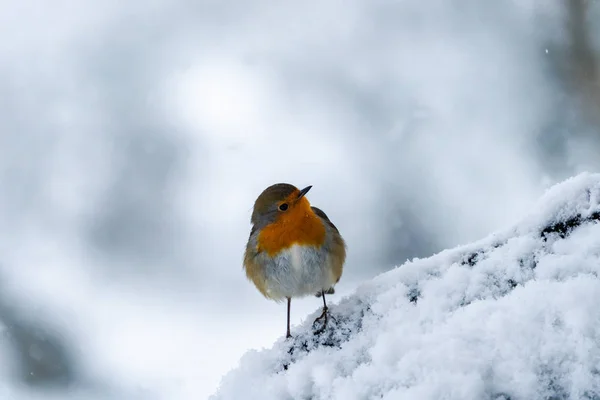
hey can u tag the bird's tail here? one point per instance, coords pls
(331, 290)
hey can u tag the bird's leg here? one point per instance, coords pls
(323, 315)
(288, 334)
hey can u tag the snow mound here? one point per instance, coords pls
(513, 316)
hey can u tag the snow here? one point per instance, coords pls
(512, 316)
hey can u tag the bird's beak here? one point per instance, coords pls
(303, 192)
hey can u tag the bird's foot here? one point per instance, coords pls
(323, 317)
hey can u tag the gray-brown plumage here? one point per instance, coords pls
(294, 249)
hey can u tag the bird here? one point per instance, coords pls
(294, 250)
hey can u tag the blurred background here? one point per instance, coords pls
(135, 137)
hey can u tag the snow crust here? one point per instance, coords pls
(513, 316)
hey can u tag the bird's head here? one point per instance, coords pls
(279, 202)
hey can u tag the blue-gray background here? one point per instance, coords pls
(135, 136)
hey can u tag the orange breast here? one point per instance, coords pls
(298, 225)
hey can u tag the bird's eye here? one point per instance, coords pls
(283, 207)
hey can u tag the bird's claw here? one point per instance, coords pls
(324, 316)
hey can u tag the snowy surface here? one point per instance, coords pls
(513, 316)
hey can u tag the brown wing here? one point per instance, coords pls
(321, 214)
(338, 248)
(254, 271)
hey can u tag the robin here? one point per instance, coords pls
(294, 250)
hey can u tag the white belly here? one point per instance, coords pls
(298, 271)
